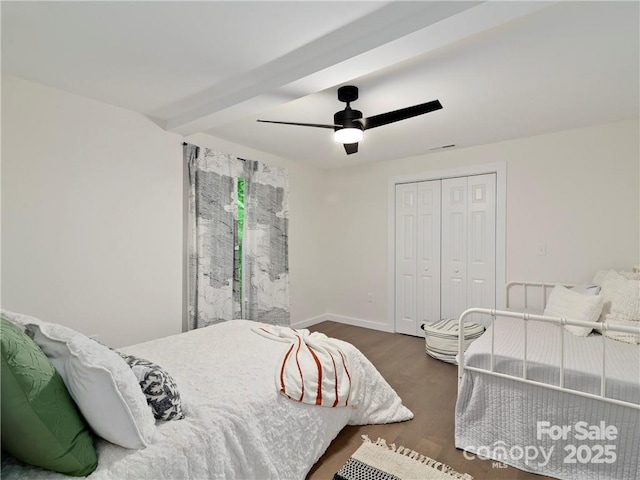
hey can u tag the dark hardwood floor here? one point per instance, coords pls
(428, 387)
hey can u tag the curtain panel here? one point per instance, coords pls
(238, 245)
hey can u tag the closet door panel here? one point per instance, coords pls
(454, 247)
(428, 252)
(406, 258)
(481, 267)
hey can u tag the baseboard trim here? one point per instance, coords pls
(359, 322)
(332, 317)
(310, 321)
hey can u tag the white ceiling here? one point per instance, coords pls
(501, 70)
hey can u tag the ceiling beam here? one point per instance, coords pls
(224, 101)
(390, 35)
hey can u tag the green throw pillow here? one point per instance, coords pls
(40, 423)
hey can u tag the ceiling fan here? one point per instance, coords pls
(349, 126)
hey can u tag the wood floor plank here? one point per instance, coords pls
(428, 387)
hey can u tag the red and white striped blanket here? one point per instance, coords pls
(313, 369)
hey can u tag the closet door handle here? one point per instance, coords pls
(456, 271)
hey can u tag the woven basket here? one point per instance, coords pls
(441, 338)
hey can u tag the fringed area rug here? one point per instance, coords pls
(379, 461)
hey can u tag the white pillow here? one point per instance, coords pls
(630, 275)
(20, 320)
(575, 306)
(100, 382)
(621, 293)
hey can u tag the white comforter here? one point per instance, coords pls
(237, 425)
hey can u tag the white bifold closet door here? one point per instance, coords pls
(468, 244)
(445, 249)
(417, 255)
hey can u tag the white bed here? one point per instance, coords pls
(570, 422)
(236, 423)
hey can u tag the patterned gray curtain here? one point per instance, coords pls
(265, 244)
(236, 269)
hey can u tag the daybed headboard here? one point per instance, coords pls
(529, 296)
(532, 297)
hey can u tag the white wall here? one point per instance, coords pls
(91, 215)
(575, 191)
(307, 228)
(92, 199)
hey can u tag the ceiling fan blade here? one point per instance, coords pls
(316, 125)
(402, 114)
(350, 148)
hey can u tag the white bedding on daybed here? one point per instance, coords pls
(499, 418)
(582, 358)
(237, 425)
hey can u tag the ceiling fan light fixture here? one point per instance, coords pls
(348, 135)
(349, 125)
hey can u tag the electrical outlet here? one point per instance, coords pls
(370, 295)
(541, 249)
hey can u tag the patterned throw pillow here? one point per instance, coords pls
(158, 386)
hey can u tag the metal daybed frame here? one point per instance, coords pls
(546, 319)
(629, 467)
